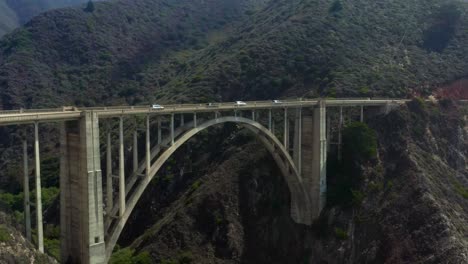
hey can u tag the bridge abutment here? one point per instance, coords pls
(81, 210)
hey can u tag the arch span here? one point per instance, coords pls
(300, 200)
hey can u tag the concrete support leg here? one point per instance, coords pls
(159, 131)
(81, 210)
(286, 130)
(314, 155)
(362, 114)
(109, 182)
(297, 153)
(27, 202)
(148, 146)
(253, 115)
(135, 151)
(319, 162)
(195, 120)
(182, 121)
(328, 132)
(172, 129)
(340, 128)
(121, 170)
(40, 232)
(269, 120)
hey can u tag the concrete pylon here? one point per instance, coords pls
(314, 156)
(81, 210)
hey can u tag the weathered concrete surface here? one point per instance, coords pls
(81, 212)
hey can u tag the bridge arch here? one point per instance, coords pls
(300, 199)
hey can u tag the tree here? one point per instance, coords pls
(336, 7)
(89, 7)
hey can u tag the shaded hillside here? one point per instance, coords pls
(409, 207)
(133, 52)
(71, 56)
(14, 13)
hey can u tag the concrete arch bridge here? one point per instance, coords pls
(93, 213)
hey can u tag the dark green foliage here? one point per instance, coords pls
(336, 7)
(127, 255)
(359, 146)
(4, 234)
(360, 142)
(184, 257)
(175, 58)
(341, 234)
(89, 7)
(442, 30)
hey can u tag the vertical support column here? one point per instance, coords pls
(159, 131)
(328, 132)
(286, 130)
(81, 210)
(253, 115)
(297, 153)
(269, 120)
(299, 166)
(40, 232)
(340, 127)
(362, 114)
(314, 156)
(172, 129)
(109, 182)
(135, 151)
(27, 202)
(148, 146)
(121, 170)
(195, 120)
(182, 121)
(319, 162)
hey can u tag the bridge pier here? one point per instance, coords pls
(27, 202)
(81, 210)
(314, 156)
(37, 169)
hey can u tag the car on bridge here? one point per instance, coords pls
(212, 105)
(240, 103)
(277, 102)
(157, 107)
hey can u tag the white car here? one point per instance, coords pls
(157, 107)
(277, 102)
(240, 103)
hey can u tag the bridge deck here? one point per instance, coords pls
(13, 117)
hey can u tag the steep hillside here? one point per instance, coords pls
(132, 52)
(72, 56)
(14, 13)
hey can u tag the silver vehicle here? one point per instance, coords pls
(277, 102)
(240, 103)
(212, 105)
(157, 107)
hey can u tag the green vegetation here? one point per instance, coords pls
(4, 234)
(184, 257)
(360, 142)
(89, 7)
(341, 234)
(359, 147)
(343, 54)
(127, 255)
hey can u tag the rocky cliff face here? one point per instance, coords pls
(412, 205)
